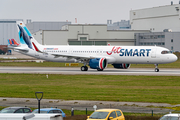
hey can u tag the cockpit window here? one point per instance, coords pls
(165, 52)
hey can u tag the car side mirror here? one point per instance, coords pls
(110, 118)
(87, 117)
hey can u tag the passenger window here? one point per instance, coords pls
(51, 111)
(27, 111)
(118, 113)
(56, 111)
(113, 114)
(19, 111)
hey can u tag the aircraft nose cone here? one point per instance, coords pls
(174, 58)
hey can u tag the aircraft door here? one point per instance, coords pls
(71, 51)
(153, 53)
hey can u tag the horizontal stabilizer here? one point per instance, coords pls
(18, 48)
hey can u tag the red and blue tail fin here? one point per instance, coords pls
(14, 42)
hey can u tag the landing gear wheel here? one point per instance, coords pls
(156, 70)
(99, 69)
(84, 68)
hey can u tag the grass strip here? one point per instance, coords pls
(158, 89)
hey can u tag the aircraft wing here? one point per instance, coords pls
(74, 56)
(18, 48)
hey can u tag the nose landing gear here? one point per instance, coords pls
(156, 68)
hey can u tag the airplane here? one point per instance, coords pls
(96, 57)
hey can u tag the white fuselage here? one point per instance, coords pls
(113, 54)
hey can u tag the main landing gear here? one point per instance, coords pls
(99, 69)
(156, 68)
(84, 68)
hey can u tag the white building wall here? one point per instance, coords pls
(120, 43)
(55, 37)
(93, 33)
(96, 32)
(156, 19)
(38, 36)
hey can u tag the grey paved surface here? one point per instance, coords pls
(76, 70)
(135, 107)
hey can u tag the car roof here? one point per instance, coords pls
(47, 109)
(15, 107)
(107, 110)
(174, 114)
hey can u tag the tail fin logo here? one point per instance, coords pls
(25, 36)
(13, 42)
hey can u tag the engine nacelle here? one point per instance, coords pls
(121, 66)
(98, 63)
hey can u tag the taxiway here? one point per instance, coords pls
(76, 70)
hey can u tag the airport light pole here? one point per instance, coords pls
(39, 99)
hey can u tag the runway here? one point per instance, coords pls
(76, 70)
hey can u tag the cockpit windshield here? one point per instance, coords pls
(165, 52)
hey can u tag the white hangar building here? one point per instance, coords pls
(162, 21)
(87, 34)
(156, 19)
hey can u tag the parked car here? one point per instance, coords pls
(50, 110)
(170, 117)
(16, 110)
(106, 114)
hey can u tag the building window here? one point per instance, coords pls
(162, 36)
(100, 43)
(171, 47)
(87, 42)
(171, 40)
(163, 43)
(141, 37)
(83, 38)
(74, 42)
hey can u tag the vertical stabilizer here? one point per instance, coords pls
(26, 38)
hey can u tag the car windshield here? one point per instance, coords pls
(99, 115)
(169, 118)
(36, 111)
(8, 110)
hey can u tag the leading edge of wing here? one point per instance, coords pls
(74, 56)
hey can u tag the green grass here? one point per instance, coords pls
(158, 89)
(54, 64)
